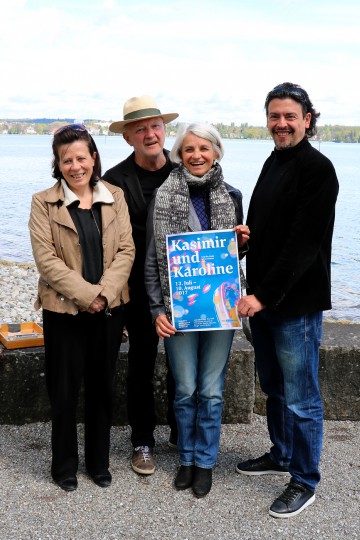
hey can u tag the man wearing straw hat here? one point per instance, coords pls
(143, 128)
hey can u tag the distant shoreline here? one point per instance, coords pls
(47, 126)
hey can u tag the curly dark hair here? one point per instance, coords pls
(67, 135)
(295, 92)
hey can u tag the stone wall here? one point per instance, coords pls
(23, 397)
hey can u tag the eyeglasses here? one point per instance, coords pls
(291, 91)
(73, 127)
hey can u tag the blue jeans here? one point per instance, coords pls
(198, 362)
(287, 361)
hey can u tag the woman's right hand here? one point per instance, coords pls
(164, 328)
(98, 304)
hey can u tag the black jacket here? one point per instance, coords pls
(288, 263)
(124, 176)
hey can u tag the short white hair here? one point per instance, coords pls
(204, 131)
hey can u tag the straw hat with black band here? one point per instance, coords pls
(140, 108)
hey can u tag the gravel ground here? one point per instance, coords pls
(32, 507)
(149, 508)
(18, 291)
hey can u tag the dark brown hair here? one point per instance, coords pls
(67, 135)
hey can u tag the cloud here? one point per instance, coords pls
(208, 61)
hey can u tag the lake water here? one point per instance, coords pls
(25, 167)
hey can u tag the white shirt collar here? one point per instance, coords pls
(101, 194)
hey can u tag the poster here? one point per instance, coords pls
(204, 280)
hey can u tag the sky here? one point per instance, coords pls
(209, 60)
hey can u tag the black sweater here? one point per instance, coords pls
(291, 220)
(125, 176)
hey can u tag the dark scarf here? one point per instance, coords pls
(171, 212)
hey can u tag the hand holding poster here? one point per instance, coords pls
(204, 280)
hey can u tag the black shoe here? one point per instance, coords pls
(69, 484)
(103, 480)
(202, 481)
(261, 465)
(184, 477)
(292, 501)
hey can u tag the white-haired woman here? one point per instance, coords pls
(193, 198)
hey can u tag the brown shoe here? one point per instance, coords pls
(142, 460)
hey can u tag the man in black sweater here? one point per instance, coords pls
(143, 128)
(291, 219)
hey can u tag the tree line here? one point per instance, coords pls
(347, 134)
(336, 133)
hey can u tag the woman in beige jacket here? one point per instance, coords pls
(83, 248)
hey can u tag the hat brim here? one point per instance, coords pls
(118, 127)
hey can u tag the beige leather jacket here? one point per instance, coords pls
(57, 251)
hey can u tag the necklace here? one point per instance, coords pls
(97, 226)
